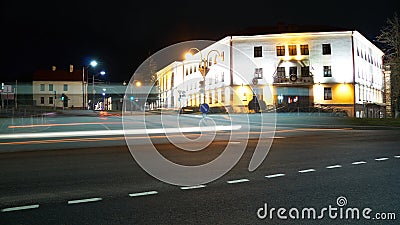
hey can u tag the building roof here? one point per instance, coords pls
(281, 28)
(57, 75)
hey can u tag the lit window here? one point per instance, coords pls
(326, 49)
(304, 49)
(65, 87)
(258, 51)
(292, 50)
(280, 50)
(327, 71)
(327, 93)
(41, 87)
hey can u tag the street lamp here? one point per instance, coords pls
(102, 73)
(93, 64)
(204, 66)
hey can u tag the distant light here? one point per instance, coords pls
(104, 94)
(102, 73)
(188, 55)
(93, 63)
(138, 83)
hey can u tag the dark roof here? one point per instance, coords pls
(287, 28)
(57, 75)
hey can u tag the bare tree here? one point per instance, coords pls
(390, 37)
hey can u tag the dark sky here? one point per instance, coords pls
(121, 34)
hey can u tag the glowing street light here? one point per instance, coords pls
(93, 63)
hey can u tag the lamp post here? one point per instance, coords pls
(204, 66)
(92, 64)
(93, 90)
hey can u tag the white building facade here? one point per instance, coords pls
(50, 85)
(289, 72)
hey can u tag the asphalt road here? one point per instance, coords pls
(305, 168)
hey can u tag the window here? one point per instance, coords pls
(326, 49)
(304, 49)
(280, 72)
(65, 87)
(41, 100)
(305, 71)
(41, 87)
(327, 93)
(222, 77)
(293, 70)
(173, 78)
(51, 100)
(258, 73)
(258, 51)
(280, 50)
(50, 87)
(327, 71)
(187, 71)
(292, 50)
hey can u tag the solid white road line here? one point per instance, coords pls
(275, 175)
(307, 171)
(333, 167)
(143, 193)
(20, 208)
(381, 159)
(358, 163)
(84, 200)
(238, 181)
(193, 187)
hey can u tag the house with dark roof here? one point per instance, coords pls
(60, 88)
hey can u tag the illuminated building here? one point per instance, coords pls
(291, 72)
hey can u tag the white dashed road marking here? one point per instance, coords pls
(20, 208)
(237, 181)
(333, 167)
(307, 171)
(143, 193)
(17, 208)
(381, 159)
(193, 187)
(84, 200)
(358, 163)
(275, 175)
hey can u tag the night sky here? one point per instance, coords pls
(120, 35)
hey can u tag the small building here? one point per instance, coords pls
(51, 86)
